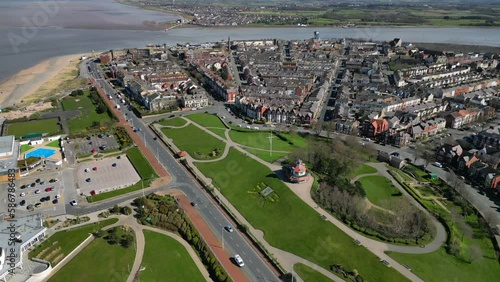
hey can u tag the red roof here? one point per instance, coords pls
(299, 168)
(181, 154)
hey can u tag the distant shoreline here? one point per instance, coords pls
(184, 15)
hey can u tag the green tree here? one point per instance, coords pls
(126, 210)
(127, 240)
(112, 237)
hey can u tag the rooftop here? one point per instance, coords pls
(10, 162)
(7, 144)
(26, 228)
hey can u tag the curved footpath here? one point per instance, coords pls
(131, 222)
(303, 191)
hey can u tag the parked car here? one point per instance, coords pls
(22, 194)
(29, 207)
(88, 180)
(37, 191)
(437, 164)
(37, 180)
(55, 201)
(22, 203)
(49, 189)
(33, 184)
(238, 260)
(37, 205)
(73, 203)
(113, 165)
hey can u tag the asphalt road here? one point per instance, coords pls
(255, 268)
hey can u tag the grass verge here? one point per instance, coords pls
(206, 120)
(173, 122)
(165, 259)
(378, 189)
(199, 144)
(99, 261)
(308, 274)
(264, 155)
(63, 242)
(364, 169)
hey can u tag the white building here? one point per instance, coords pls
(23, 233)
(194, 101)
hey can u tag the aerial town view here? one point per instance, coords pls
(273, 140)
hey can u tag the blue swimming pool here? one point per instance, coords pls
(41, 152)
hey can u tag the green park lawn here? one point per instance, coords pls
(165, 259)
(308, 274)
(289, 220)
(141, 164)
(99, 261)
(195, 141)
(260, 139)
(440, 266)
(88, 114)
(19, 129)
(378, 189)
(54, 144)
(264, 155)
(206, 120)
(25, 148)
(67, 240)
(219, 131)
(173, 122)
(364, 169)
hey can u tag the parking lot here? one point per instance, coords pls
(29, 197)
(106, 175)
(84, 146)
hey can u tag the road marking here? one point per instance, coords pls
(257, 270)
(243, 252)
(250, 261)
(237, 245)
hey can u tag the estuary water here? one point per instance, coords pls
(78, 26)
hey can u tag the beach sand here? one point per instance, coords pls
(26, 82)
(31, 90)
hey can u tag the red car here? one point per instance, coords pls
(48, 189)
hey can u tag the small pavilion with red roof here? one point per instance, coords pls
(298, 172)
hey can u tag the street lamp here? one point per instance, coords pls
(270, 143)
(142, 183)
